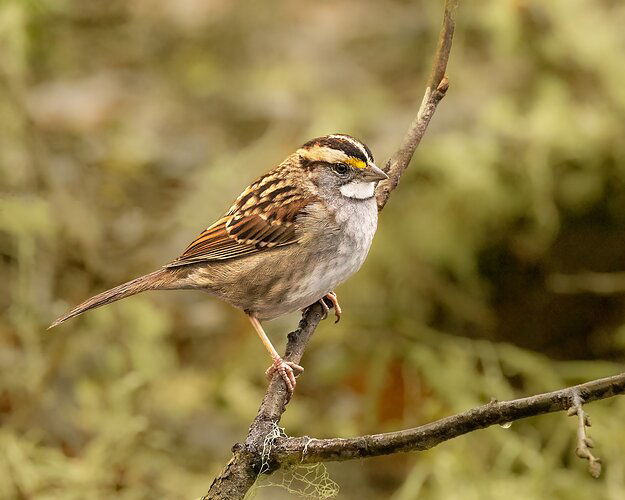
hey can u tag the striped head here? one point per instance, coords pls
(340, 162)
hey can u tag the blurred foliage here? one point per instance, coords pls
(128, 126)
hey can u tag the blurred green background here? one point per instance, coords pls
(126, 127)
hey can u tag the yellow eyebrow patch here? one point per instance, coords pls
(355, 162)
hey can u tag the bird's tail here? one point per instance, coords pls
(161, 279)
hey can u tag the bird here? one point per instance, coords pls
(290, 238)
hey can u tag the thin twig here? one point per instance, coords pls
(434, 92)
(584, 443)
(399, 162)
(443, 49)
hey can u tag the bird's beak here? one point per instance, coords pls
(373, 173)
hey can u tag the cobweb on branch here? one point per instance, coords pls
(305, 480)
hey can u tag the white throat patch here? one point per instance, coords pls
(358, 189)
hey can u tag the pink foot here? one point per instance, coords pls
(288, 371)
(332, 298)
(335, 303)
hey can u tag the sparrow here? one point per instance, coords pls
(287, 242)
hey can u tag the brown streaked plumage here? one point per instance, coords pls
(263, 216)
(287, 241)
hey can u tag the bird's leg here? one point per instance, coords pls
(287, 369)
(335, 303)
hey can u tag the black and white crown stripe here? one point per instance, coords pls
(322, 148)
(365, 151)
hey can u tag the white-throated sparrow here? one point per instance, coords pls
(289, 239)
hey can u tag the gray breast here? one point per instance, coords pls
(285, 279)
(330, 258)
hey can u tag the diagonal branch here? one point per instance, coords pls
(305, 450)
(443, 49)
(240, 473)
(435, 91)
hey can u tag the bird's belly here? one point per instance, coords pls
(322, 271)
(313, 283)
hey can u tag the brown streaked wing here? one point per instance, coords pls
(251, 225)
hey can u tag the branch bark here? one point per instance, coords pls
(293, 450)
(239, 474)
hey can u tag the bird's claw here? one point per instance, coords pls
(335, 303)
(326, 309)
(288, 370)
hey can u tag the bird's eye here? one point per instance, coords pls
(340, 168)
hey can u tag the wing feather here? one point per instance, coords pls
(264, 216)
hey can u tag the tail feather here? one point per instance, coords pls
(163, 278)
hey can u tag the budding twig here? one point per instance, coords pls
(584, 442)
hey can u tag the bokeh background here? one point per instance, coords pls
(127, 126)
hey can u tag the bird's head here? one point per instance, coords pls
(339, 163)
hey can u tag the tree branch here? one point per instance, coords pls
(293, 450)
(241, 471)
